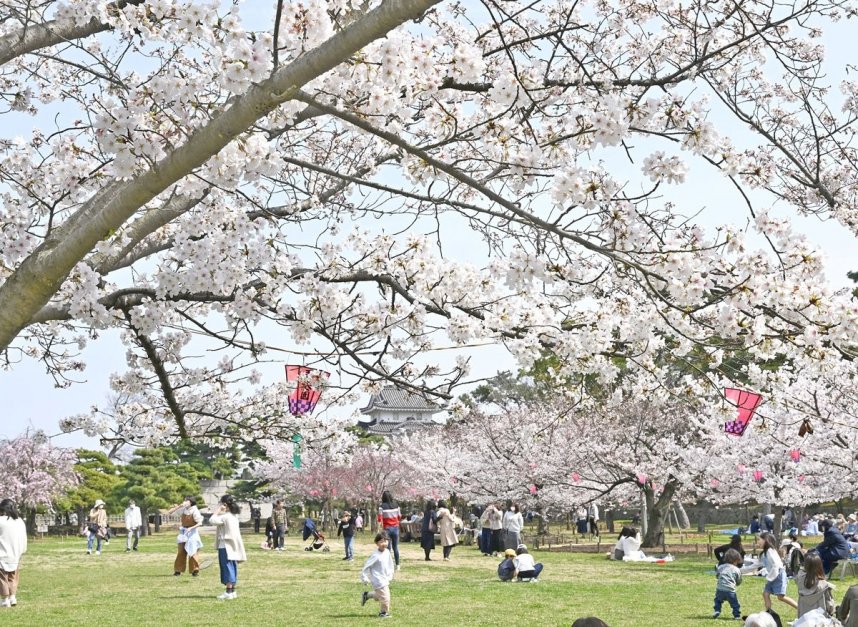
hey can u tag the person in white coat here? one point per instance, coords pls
(229, 545)
(513, 523)
(133, 522)
(13, 544)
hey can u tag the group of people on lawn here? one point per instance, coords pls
(815, 605)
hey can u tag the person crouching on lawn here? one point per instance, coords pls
(229, 545)
(525, 567)
(378, 572)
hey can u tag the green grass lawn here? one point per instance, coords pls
(61, 585)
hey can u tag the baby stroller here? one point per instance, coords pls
(318, 543)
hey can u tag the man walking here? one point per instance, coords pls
(281, 523)
(133, 522)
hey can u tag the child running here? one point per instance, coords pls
(729, 576)
(378, 571)
(776, 577)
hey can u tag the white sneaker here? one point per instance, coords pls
(5, 603)
(226, 596)
(98, 552)
(398, 567)
(13, 600)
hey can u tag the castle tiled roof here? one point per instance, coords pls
(393, 399)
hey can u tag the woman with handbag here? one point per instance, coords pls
(97, 527)
(447, 529)
(428, 529)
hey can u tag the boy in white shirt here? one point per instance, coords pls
(378, 571)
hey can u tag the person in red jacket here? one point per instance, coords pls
(389, 516)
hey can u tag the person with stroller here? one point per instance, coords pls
(378, 571)
(389, 516)
(346, 528)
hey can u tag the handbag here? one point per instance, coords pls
(432, 526)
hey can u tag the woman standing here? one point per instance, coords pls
(97, 527)
(229, 545)
(188, 540)
(513, 523)
(389, 516)
(447, 529)
(428, 528)
(13, 544)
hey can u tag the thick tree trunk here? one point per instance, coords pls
(682, 515)
(703, 507)
(657, 512)
(144, 516)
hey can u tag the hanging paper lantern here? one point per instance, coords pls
(746, 403)
(801, 478)
(758, 475)
(641, 478)
(533, 489)
(368, 488)
(715, 483)
(576, 477)
(795, 455)
(309, 384)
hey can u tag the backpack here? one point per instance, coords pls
(795, 561)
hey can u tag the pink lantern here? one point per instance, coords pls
(368, 488)
(309, 383)
(576, 477)
(801, 478)
(746, 403)
(758, 475)
(641, 478)
(795, 455)
(715, 483)
(533, 489)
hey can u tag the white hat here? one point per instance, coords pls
(99, 502)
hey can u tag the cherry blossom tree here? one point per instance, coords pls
(35, 473)
(213, 178)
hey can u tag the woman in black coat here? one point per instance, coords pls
(428, 528)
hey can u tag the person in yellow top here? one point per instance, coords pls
(97, 527)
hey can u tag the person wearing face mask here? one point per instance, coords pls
(188, 540)
(513, 523)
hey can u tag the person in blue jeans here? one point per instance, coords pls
(346, 528)
(389, 516)
(729, 577)
(526, 567)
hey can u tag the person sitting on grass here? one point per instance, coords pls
(506, 569)
(526, 569)
(628, 542)
(735, 544)
(729, 577)
(813, 590)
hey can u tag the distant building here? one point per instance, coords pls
(393, 411)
